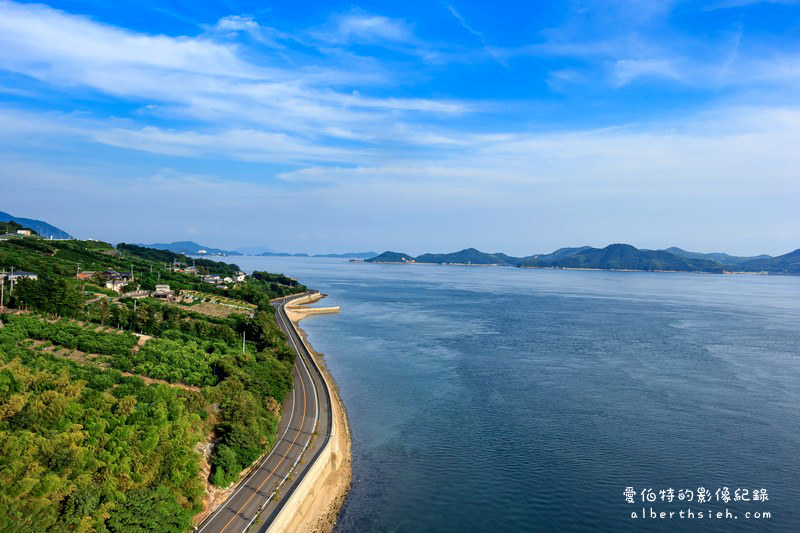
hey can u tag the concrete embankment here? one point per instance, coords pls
(315, 503)
(298, 309)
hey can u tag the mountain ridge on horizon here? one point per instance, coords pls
(616, 256)
(187, 248)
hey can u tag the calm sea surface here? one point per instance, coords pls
(500, 399)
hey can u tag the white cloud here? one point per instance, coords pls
(231, 26)
(236, 23)
(54, 46)
(628, 70)
(240, 144)
(712, 154)
(360, 27)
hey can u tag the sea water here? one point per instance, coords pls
(504, 399)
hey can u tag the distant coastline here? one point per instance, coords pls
(575, 269)
(615, 257)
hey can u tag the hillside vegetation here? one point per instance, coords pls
(470, 256)
(100, 427)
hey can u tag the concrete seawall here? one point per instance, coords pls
(315, 503)
(297, 310)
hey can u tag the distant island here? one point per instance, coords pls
(188, 248)
(193, 248)
(346, 255)
(350, 255)
(612, 257)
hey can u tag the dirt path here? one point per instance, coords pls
(142, 339)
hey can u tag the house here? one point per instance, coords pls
(116, 280)
(227, 279)
(16, 275)
(212, 278)
(25, 232)
(109, 274)
(240, 276)
(115, 284)
(163, 291)
(86, 275)
(112, 275)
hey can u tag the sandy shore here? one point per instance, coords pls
(321, 509)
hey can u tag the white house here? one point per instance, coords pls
(17, 275)
(240, 276)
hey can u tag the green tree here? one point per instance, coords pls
(104, 312)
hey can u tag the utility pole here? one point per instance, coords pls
(2, 287)
(244, 333)
(79, 269)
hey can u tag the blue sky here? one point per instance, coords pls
(415, 126)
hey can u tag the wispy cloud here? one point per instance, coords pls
(486, 46)
(461, 20)
(627, 70)
(231, 26)
(360, 27)
(730, 4)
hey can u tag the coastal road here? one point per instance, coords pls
(303, 432)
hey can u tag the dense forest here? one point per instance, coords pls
(104, 400)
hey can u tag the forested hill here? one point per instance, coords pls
(188, 248)
(624, 257)
(119, 414)
(39, 226)
(719, 257)
(783, 264)
(11, 227)
(469, 256)
(464, 257)
(391, 257)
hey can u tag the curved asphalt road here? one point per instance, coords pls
(305, 411)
